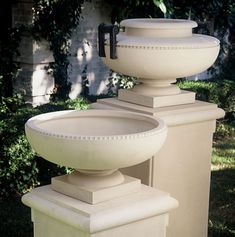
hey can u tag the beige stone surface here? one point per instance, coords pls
(96, 189)
(144, 213)
(182, 166)
(185, 173)
(151, 227)
(184, 97)
(35, 83)
(34, 80)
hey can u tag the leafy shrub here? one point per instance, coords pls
(20, 168)
(17, 168)
(78, 103)
(220, 92)
(224, 130)
(119, 81)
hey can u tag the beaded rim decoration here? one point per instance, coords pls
(31, 124)
(162, 47)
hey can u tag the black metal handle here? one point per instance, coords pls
(113, 31)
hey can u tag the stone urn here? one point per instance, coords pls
(157, 51)
(96, 143)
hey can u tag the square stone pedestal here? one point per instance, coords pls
(144, 213)
(182, 167)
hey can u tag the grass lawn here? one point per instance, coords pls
(15, 217)
(222, 197)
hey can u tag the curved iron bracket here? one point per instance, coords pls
(113, 31)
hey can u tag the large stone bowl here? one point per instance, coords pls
(95, 140)
(157, 51)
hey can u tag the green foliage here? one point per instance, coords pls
(119, 81)
(224, 149)
(78, 103)
(10, 103)
(55, 20)
(135, 9)
(222, 12)
(161, 5)
(221, 92)
(224, 130)
(18, 167)
(220, 16)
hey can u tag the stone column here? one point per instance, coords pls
(33, 80)
(183, 165)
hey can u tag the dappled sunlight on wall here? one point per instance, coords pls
(84, 59)
(102, 87)
(76, 88)
(42, 83)
(84, 53)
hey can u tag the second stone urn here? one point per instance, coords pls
(157, 51)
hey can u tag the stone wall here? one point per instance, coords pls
(33, 80)
(84, 58)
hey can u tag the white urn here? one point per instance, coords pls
(96, 143)
(157, 51)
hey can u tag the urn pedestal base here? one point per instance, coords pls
(144, 213)
(184, 97)
(182, 167)
(95, 189)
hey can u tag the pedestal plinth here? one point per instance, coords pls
(144, 213)
(95, 189)
(184, 97)
(182, 166)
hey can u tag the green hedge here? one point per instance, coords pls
(220, 92)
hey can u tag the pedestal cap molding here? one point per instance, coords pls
(193, 117)
(147, 203)
(172, 115)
